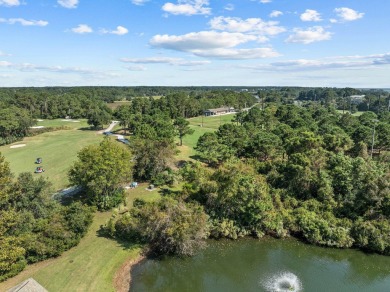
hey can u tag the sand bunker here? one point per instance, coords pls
(71, 121)
(37, 127)
(17, 146)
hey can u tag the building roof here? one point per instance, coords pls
(220, 109)
(30, 285)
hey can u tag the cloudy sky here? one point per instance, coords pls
(195, 42)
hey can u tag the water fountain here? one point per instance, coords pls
(283, 282)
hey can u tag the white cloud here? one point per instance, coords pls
(213, 44)
(347, 14)
(5, 64)
(265, 1)
(229, 7)
(82, 29)
(202, 40)
(276, 13)
(139, 2)
(3, 54)
(24, 22)
(120, 30)
(28, 67)
(165, 60)
(311, 35)
(9, 3)
(237, 54)
(250, 25)
(188, 7)
(136, 68)
(311, 15)
(68, 3)
(338, 62)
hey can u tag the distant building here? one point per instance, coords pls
(218, 111)
(357, 99)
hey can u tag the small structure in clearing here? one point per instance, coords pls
(218, 111)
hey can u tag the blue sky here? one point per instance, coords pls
(195, 42)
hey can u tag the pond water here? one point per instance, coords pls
(265, 265)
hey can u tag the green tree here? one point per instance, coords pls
(152, 156)
(211, 150)
(5, 181)
(169, 226)
(264, 146)
(97, 117)
(12, 260)
(101, 170)
(183, 128)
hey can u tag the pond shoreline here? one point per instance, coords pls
(122, 279)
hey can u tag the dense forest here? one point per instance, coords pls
(310, 172)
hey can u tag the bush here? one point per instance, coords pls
(169, 226)
(372, 235)
(12, 260)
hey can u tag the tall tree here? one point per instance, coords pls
(101, 170)
(183, 128)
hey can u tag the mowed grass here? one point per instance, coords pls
(357, 114)
(92, 264)
(114, 105)
(57, 149)
(74, 124)
(210, 124)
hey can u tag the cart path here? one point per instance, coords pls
(110, 127)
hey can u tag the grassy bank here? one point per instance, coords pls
(92, 264)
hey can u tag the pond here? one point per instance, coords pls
(265, 265)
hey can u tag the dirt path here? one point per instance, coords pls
(122, 277)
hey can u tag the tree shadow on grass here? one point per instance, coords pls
(124, 244)
(197, 158)
(168, 192)
(89, 129)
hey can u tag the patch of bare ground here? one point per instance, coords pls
(122, 279)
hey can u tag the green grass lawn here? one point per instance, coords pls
(114, 105)
(57, 149)
(74, 124)
(354, 114)
(210, 124)
(92, 264)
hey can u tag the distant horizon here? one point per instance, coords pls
(203, 42)
(188, 86)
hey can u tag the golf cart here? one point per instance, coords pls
(39, 169)
(38, 161)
